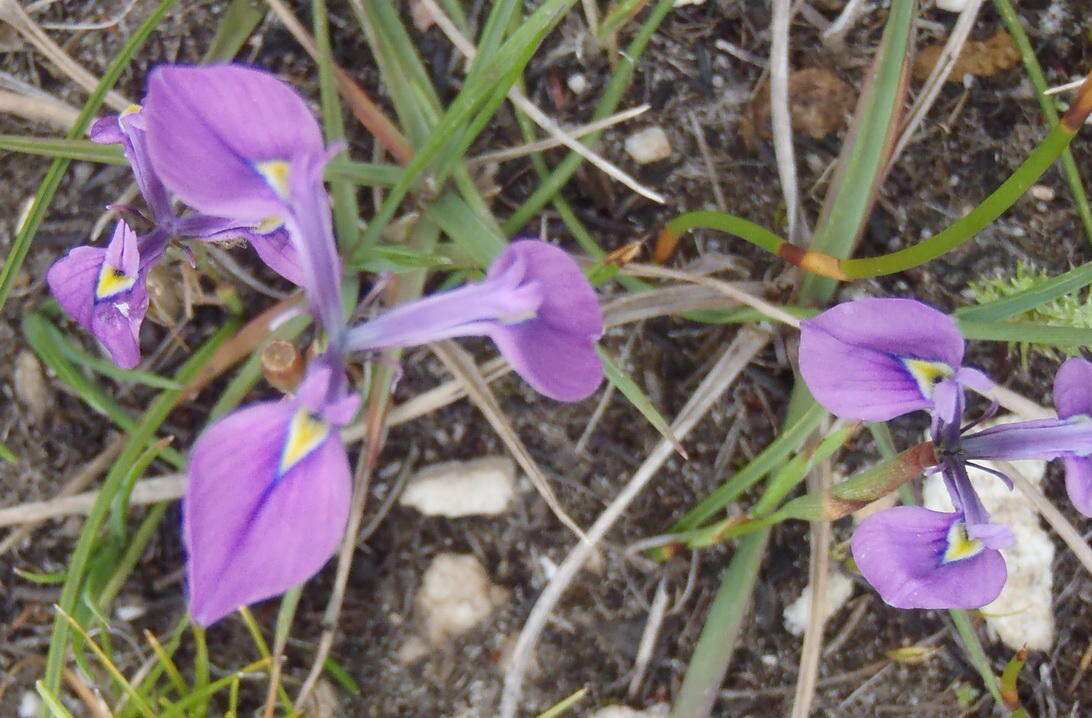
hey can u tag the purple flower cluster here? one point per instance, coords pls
(875, 359)
(269, 485)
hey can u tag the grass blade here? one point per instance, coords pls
(1074, 280)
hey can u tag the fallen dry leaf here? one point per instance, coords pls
(981, 58)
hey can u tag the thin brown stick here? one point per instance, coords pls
(748, 342)
(811, 650)
(37, 109)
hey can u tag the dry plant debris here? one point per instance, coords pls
(981, 58)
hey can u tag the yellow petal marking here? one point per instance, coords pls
(275, 173)
(305, 434)
(960, 545)
(130, 110)
(927, 374)
(269, 224)
(112, 281)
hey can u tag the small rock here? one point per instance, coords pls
(455, 596)
(798, 613)
(684, 3)
(29, 704)
(648, 145)
(1021, 617)
(483, 487)
(1042, 192)
(413, 650)
(130, 611)
(951, 5)
(30, 385)
(660, 710)
(323, 701)
(820, 102)
(577, 83)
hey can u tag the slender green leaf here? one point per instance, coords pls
(629, 388)
(975, 653)
(862, 163)
(236, 24)
(72, 149)
(1072, 281)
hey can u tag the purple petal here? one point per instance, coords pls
(115, 317)
(211, 128)
(1078, 482)
(555, 351)
(106, 131)
(252, 532)
(1073, 388)
(901, 552)
(279, 254)
(72, 280)
(876, 359)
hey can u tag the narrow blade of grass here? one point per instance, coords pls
(238, 20)
(862, 163)
(975, 653)
(629, 388)
(1074, 280)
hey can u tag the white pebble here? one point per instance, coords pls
(951, 5)
(1021, 617)
(455, 596)
(1042, 193)
(483, 487)
(648, 145)
(577, 83)
(798, 613)
(29, 704)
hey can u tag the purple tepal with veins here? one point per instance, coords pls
(534, 303)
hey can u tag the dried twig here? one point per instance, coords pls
(819, 570)
(459, 363)
(779, 111)
(13, 14)
(463, 45)
(748, 342)
(931, 89)
(57, 113)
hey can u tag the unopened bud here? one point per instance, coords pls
(863, 488)
(282, 365)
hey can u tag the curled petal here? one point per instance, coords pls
(917, 558)
(226, 138)
(1078, 482)
(1073, 388)
(104, 290)
(265, 508)
(876, 359)
(555, 351)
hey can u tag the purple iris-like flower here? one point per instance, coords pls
(268, 495)
(534, 303)
(103, 290)
(875, 359)
(237, 142)
(917, 558)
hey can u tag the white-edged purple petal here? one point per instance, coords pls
(917, 558)
(265, 507)
(1073, 388)
(226, 138)
(875, 359)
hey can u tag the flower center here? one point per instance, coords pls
(112, 281)
(927, 374)
(275, 174)
(959, 545)
(305, 434)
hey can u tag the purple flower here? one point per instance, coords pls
(875, 359)
(917, 558)
(104, 290)
(237, 142)
(534, 303)
(1073, 400)
(268, 496)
